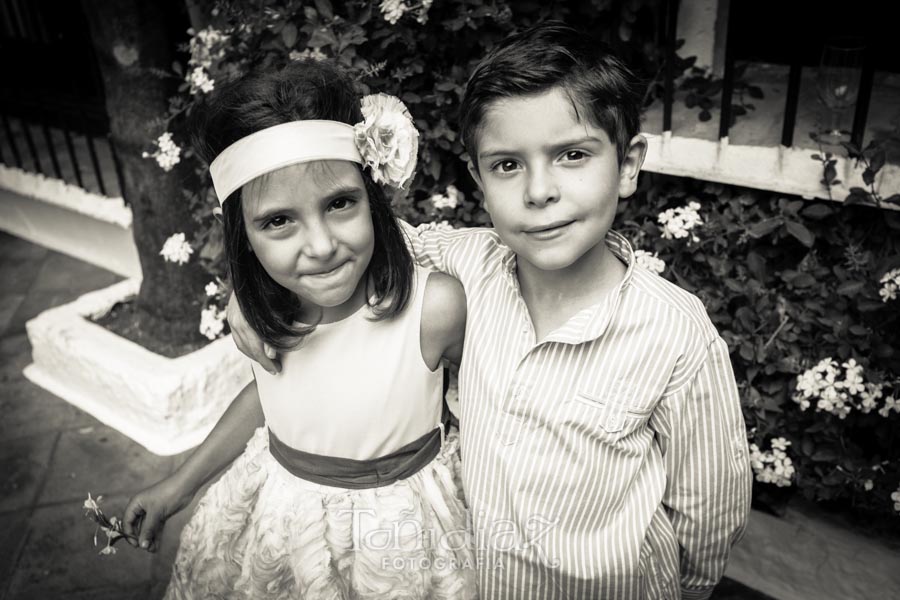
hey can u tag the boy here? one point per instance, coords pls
(604, 450)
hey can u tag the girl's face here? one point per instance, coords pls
(311, 229)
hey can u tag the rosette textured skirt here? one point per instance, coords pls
(262, 532)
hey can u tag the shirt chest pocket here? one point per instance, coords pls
(611, 416)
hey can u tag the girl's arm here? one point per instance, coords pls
(443, 320)
(148, 510)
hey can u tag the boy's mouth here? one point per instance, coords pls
(549, 228)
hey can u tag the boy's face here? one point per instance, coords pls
(551, 181)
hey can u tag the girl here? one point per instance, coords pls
(348, 487)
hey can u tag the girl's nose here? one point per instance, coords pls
(319, 242)
(541, 188)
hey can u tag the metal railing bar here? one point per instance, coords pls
(791, 103)
(73, 157)
(96, 163)
(12, 142)
(29, 141)
(53, 159)
(863, 98)
(671, 23)
(727, 76)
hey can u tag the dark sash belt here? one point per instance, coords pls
(360, 474)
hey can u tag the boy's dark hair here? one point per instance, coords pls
(548, 55)
(302, 90)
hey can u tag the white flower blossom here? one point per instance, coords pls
(387, 139)
(206, 46)
(838, 388)
(868, 484)
(212, 322)
(313, 53)
(200, 81)
(437, 226)
(679, 222)
(649, 261)
(211, 288)
(167, 153)
(890, 404)
(449, 199)
(890, 284)
(393, 10)
(895, 496)
(176, 249)
(773, 466)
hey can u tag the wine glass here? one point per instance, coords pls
(837, 83)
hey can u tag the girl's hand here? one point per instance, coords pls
(246, 339)
(149, 509)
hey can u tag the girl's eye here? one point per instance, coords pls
(275, 222)
(342, 203)
(505, 166)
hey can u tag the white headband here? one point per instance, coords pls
(385, 142)
(279, 146)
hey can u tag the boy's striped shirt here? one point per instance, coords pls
(609, 460)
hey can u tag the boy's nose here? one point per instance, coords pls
(542, 189)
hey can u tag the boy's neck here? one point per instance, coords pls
(554, 297)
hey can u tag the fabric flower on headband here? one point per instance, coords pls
(387, 140)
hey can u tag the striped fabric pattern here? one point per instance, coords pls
(608, 460)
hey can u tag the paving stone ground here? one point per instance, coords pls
(52, 454)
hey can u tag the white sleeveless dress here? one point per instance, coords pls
(355, 389)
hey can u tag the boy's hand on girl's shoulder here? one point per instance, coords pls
(247, 341)
(147, 512)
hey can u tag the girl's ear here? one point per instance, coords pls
(631, 165)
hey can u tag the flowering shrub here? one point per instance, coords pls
(797, 290)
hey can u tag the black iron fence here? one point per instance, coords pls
(803, 52)
(54, 119)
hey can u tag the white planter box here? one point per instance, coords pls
(166, 405)
(805, 555)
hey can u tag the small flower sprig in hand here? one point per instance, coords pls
(112, 526)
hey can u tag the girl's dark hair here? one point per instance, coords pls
(552, 54)
(303, 90)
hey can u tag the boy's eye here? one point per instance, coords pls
(574, 155)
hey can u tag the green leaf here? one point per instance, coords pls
(817, 211)
(850, 288)
(800, 232)
(764, 228)
(825, 455)
(803, 280)
(755, 92)
(324, 8)
(289, 35)
(868, 177)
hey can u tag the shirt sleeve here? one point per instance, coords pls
(452, 251)
(702, 435)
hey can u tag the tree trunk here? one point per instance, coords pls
(130, 38)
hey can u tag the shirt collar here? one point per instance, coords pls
(591, 322)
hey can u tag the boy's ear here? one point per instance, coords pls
(473, 171)
(631, 165)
